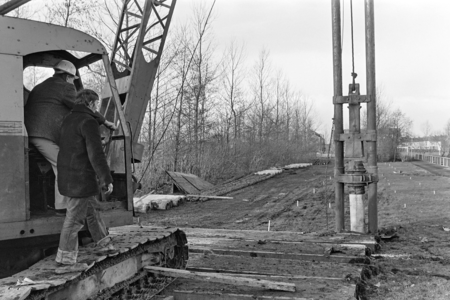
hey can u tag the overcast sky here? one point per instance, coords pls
(412, 40)
(412, 48)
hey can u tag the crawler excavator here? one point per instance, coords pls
(29, 230)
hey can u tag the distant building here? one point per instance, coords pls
(435, 145)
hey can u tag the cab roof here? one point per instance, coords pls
(22, 37)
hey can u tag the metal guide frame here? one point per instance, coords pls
(137, 49)
(357, 179)
(368, 176)
(142, 28)
(368, 136)
(140, 37)
(351, 99)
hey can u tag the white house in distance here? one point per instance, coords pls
(432, 145)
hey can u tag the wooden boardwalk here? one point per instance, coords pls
(320, 267)
(223, 264)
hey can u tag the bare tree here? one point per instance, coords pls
(22, 12)
(400, 130)
(232, 81)
(383, 110)
(202, 76)
(261, 89)
(71, 13)
(446, 135)
(426, 129)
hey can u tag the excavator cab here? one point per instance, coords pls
(41, 177)
(26, 178)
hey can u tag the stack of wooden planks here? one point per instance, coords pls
(247, 264)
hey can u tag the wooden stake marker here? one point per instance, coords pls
(219, 278)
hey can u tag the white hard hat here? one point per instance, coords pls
(65, 66)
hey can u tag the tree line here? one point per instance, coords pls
(221, 115)
(214, 114)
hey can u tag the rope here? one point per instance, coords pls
(342, 26)
(353, 47)
(326, 174)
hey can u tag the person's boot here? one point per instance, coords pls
(104, 247)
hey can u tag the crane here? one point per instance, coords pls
(29, 232)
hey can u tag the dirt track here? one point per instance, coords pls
(413, 202)
(252, 207)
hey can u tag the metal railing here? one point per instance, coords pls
(437, 160)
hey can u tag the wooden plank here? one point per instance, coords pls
(199, 183)
(238, 184)
(305, 289)
(367, 240)
(258, 274)
(261, 265)
(187, 182)
(182, 183)
(141, 232)
(16, 293)
(219, 278)
(186, 186)
(200, 295)
(283, 255)
(209, 197)
(136, 227)
(294, 247)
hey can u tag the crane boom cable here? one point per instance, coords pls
(342, 27)
(353, 46)
(327, 198)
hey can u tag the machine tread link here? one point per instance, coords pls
(108, 275)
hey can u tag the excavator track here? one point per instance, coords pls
(116, 276)
(140, 287)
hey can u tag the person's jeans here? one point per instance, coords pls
(79, 210)
(50, 151)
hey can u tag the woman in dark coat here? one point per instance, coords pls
(82, 171)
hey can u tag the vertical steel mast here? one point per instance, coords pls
(371, 115)
(338, 115)
(349, 145)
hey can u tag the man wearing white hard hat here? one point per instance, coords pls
(47, 105)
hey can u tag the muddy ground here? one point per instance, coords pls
(414, 203)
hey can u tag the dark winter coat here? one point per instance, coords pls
(81, 158)
(47, 105)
